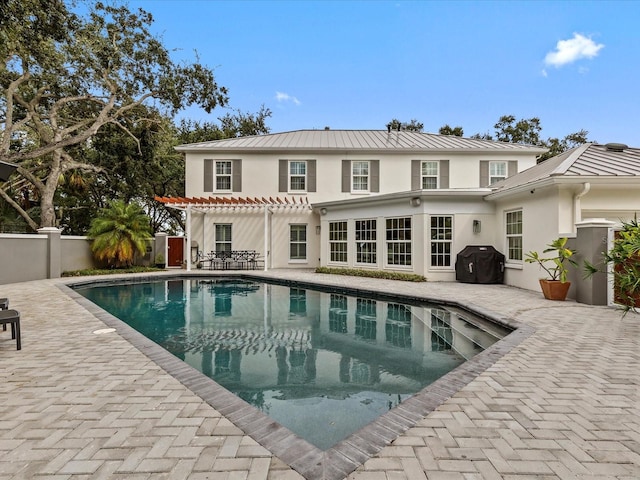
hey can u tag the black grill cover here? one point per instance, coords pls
(480, 264)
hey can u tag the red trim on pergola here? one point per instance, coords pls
(232, 201)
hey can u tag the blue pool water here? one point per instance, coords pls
(321, 363)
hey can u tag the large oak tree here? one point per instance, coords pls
(65, 76)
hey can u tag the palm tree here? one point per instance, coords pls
(119, 231)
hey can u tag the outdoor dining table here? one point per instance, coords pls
(232, 260)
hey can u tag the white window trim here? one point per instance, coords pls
(437, 175)
(306, 243)
(216, 175)
(345, 241)
(375, 242)
(216, 241)
(498, 177)
(289, 175)
(510, 262)
(368, 176)
(396, 266)
(451, 266)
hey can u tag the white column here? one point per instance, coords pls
(266, 233)
(188, 232)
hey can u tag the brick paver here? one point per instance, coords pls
(562, 404)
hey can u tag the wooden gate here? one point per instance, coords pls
(175, 251)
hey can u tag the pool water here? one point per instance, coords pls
(321, 363)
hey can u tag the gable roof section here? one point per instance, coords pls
(588, 162)
(357, 140)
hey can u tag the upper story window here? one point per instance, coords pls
(513, 223)
(297, 176)
(493, 171)
(223, 175)
(497, 172)
(429, 174)
(360, 176)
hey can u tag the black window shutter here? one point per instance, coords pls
(416, 174)
(346, 175)
(283, 176)
(208, 175)
(236, 182)
(311, 175)
(375, 175)
(444, 173)
(484, 173)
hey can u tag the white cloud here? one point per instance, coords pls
(285, 97)
(568, 51)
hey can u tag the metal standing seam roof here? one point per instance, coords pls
(588, 160)
(358, 140)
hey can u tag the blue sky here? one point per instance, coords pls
(358, 64)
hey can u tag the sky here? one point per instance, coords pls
(358, 64)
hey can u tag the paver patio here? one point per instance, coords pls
(563, 404)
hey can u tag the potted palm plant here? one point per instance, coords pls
(159, 261)
(556, 286)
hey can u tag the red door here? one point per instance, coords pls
(175, 251)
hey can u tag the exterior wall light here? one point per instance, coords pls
(415, 202)
(477, 226)
(323, 211)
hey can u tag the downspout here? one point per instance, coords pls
(577, 207)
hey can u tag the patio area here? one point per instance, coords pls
(562, 404)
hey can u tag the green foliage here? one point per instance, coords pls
(624, 257)
(110, 271)
(159, 260)
(412, 126)
(118, 233)
(454, 131)
(407, 277)
(64, 77)
(558, 269)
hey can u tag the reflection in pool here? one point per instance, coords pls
(321, 363)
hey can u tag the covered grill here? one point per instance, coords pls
(480, 264)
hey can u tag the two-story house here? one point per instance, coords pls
(404, 201)
(390, 200)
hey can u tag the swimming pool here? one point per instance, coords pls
(320, 362)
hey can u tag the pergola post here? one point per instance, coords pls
(188, 233)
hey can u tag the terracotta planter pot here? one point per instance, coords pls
(554, 289)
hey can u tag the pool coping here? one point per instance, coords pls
(311, 462)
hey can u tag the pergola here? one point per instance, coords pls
(240, 204)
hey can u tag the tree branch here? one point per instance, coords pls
(19, 209)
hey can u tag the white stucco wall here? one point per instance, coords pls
(260, 172)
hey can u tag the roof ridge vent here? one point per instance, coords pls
(616, 147)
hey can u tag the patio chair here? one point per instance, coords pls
(4, 304)
(12, 317)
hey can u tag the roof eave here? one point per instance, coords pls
(565, 180)
(474, 151)
(393, 197)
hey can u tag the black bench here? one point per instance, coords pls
(12, 317)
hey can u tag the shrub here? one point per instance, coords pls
(108, 271)
(407, 277)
